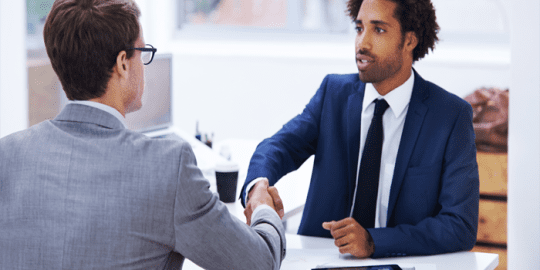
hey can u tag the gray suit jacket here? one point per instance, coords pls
(83, 192)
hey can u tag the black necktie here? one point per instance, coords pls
(370, 166)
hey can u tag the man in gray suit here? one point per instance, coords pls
(83, 192)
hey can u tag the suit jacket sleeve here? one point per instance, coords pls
(207, 234)
(454, 227)
(290, 147)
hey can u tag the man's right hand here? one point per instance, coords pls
(260, 194)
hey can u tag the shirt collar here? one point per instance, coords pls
(397, 99)
(102, 107)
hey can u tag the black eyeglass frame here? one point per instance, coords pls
(153, 50)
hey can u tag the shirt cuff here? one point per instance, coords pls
(250, 186)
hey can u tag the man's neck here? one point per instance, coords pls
(399, 79)
(111, 99)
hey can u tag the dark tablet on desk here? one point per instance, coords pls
(371, 267)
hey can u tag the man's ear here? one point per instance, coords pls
(122, 64)
(411, 41)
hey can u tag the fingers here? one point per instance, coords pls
(342, 241)
(341, 232)
(352, 245)
(345, 245)
(248, 212)
(344, 223)
(354, 250)
(348, 249)
(339, 228)
(278, 203)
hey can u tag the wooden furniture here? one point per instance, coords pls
(492, 221)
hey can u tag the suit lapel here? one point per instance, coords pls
(413, 124)
(354, 114)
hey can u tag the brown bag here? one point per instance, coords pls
(490, 119)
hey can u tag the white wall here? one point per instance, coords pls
(248, 97)
(473, 16)
(524, 139)
(13, 78)
(251, 92)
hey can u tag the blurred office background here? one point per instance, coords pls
(243, 68)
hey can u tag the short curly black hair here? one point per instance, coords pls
(417, 16)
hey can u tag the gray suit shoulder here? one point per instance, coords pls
(10, 143)
(176, 143)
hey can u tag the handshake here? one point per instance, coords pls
(262, 194)
(350, 237)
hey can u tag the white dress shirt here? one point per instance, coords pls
(102, 107)
(393, 122)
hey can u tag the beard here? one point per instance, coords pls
(383, 67)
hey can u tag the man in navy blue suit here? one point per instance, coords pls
(420, 184)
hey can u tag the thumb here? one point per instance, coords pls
(328, 225)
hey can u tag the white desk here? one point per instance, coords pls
(304, 252)
(323, 251)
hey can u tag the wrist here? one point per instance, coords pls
(250, 186)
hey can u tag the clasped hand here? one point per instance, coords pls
(262, 193)
(351, 237)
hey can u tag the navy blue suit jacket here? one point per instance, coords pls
(433, 206)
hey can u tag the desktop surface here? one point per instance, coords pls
(306, 252)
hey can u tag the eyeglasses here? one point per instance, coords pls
(147, 53)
